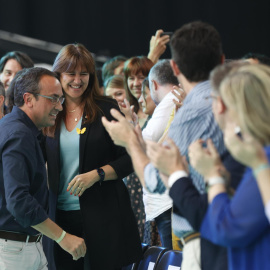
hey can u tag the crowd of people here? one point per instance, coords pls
(172, 152)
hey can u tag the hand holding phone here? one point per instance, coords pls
(166, 33)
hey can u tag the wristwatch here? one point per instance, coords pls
(101, 174)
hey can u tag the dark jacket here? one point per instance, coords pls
(192, 205)
(110, 228)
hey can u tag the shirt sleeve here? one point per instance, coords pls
(152, 180)
(24, 175)
(176, 176)
(239, 221)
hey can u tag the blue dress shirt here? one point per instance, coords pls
(23, 181)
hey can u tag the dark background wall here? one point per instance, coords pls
(109, 27)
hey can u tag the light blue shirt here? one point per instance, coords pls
(69, 164)
(193, 121)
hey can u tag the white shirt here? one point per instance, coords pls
(159, 120)
(155, 204)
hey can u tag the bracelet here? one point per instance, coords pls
(260, 168)
(216, 180)
(61, 237)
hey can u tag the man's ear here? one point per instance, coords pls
(28, 99)
(223, 58)
(175, 68)
(155, 84)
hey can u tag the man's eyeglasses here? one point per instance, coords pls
(210, 97)
(54, 100)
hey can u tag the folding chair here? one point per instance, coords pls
(170, 260)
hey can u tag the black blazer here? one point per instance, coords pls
(111, 232)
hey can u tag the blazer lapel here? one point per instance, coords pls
(53, 153)
(83, 138)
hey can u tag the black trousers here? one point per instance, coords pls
(71, 222)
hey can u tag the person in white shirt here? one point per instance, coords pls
(161, 82)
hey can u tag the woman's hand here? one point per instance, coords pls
(157, 46)
(128, 111)
(205, 160)
(244, 148)
(81, 182)
(166, 158)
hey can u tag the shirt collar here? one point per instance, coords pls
(28, 122)
(197, 90)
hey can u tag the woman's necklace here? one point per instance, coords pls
(78, 115)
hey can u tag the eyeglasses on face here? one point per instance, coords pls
(211, 97)
(54, 100)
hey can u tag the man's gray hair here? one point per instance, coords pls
(162, 73)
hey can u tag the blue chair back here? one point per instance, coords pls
(150, 257)
(130, 267)
(171, 259)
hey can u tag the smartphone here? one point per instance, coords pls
(166, 33)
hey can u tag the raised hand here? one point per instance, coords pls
(157, 46)
(166, 158)
(244, 148)
(205, 160)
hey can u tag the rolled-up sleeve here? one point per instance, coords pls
(152, 180)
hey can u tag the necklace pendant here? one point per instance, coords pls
(76, 119)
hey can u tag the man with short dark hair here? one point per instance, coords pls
(196, 50)
(23, 181)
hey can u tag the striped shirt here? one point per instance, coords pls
(193, 121)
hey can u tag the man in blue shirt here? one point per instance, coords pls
(196, 50)
(38, 98)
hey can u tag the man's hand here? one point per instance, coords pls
(157, 46)
(166, 158)
(122, 131)
(180, 95)
(205, 160)
(73, 245)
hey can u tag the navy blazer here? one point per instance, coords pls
(192, 205)
(110, 229)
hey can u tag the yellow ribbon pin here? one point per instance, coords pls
(81, 131)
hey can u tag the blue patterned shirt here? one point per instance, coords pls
(195, 120)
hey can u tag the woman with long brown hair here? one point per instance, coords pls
(85, 170)
(136, 69)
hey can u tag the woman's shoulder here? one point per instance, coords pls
(105, 104)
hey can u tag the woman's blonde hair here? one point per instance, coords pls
(246, 90)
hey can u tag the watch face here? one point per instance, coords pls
(101, 172)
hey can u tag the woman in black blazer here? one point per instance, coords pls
(85, 169)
